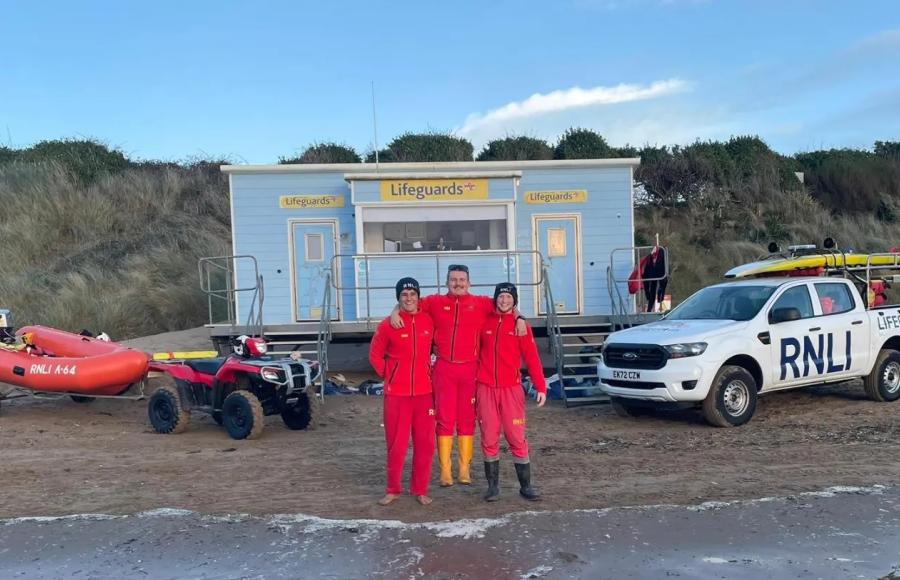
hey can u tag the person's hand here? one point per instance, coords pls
(396, 321)
(521, 327)
(541, 399)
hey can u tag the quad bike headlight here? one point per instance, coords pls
(273, 375)
(685, 349)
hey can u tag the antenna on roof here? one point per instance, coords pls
(374, 126)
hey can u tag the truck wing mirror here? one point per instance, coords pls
(784, 315)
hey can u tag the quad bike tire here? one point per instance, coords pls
(82, 399)
(242, 415)
(303, 414)
(166, 410)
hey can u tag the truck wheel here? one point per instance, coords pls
(242, 415)
(623, 408)
(883, 383)
(303, 414)
(83, 399)
(167, 414)
(732, 398)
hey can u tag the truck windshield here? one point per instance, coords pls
(723, 303)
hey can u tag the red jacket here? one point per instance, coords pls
(502, 353)
(402, 356)
(457, 323)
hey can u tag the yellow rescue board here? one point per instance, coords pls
(179, 355)
(781, 265)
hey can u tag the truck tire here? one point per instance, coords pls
(623, 408)
(732, 397)
(166, 411)
(242, 415)
(883, 383)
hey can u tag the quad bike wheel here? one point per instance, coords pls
(242, 415)
(304, 413)
(166, 411)
(83, 399)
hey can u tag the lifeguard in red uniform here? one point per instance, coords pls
(500, 397)
(402, 357)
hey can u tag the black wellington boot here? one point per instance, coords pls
(492, 474)
(523, 471)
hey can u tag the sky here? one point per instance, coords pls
(255, 81)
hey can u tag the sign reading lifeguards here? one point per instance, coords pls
(310, 201)
(434, 190)
(568, 196)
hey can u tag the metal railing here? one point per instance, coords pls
(222, 269)
(554, 331)
(510, 266)
(324, 336)
(622, 311)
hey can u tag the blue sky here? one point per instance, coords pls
(253, 81)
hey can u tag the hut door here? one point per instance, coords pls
(314, 247)
(558, 241)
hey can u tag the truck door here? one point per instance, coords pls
(847, 336)
(788, 339)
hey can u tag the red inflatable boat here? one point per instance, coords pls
(62, 362)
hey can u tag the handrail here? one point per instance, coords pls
(635, 255)
(208, 265)
(324, 336)
(554, 331)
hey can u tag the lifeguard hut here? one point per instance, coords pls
(317, 248)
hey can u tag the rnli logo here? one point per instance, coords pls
(489, 332)
(431, 412)
(518, 421)
(404, 336)
(447, 308)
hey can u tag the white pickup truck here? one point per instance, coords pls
(729, 343)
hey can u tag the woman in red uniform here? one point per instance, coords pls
(500, 399)
(402, 357)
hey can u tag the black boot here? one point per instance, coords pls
(492, 474)
(523, 471)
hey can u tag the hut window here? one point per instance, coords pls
(435, 228)
(315, 247)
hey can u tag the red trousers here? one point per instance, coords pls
(502, 407)
(404, 416)
(454, 397)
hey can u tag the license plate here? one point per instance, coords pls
(627, 375)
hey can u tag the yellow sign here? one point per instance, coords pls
(310, 201)
(568, 196)
(434, 190)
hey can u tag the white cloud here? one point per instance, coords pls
(498, 120)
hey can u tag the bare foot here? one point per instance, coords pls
(389, 498)
(424, 499)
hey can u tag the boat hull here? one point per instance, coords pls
(78, 365)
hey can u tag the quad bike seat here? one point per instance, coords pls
(207, 366)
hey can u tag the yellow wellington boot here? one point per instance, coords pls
(445, 448)
(466, 443)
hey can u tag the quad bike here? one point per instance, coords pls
(237, 390)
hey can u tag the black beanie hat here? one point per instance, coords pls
(509, 288)
(407, 284)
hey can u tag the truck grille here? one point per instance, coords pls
(633, 384)
(635, 356)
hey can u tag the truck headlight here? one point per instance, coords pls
(685, 349)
